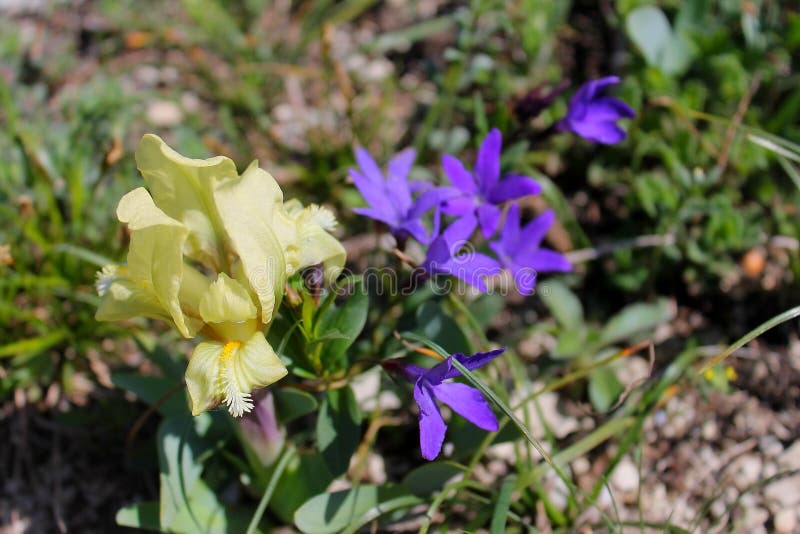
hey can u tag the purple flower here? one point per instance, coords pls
(389, 197)
(445, 257)
(466, 401)
(593, 116)
(519, 251)
(481, 191)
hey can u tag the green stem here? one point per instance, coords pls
(273, 482)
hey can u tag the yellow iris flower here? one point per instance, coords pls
(210, 252)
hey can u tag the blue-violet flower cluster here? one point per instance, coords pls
(475, 199)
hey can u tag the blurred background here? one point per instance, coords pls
(695, 214)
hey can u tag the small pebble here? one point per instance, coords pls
(785, 521)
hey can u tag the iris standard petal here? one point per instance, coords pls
(183, 188)
(247, 208)
(431, 425)
(467, 402)
(155, 255)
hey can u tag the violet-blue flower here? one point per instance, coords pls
(390, 197)
(466, 401)
(482, 191)
(518, 249)
(446, 257)
(593, 116)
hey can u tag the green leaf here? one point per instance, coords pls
(430, 477)
(649, 28)
(305, 476)
(334, 512)
(434, 324)
(291, 404)
(338, 429)
(34, 345)
(503, 505)
(142, 515)
(562, 303)
(179, 449)
(152, 389)
(343, 324)
(604, 389)
(635, 319)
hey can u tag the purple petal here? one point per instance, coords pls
(373, 193)
(600, 132)
(472, 268)
(440, 371)
(610, 109)
(431, 424)
(437, 257)
(399, 194)
(487, 167)
(370, 169)
(426, 201)
(459, 232)
(459, 206)
(545, 260)
(509, 235)
(513, 186)
(412, 372)
(467, 402)
(417, 231)
(525, 278)
(400, 164)
(533, 233)
(489, 216)
(477, 360)
(382, 216)
(458, 175)
(592, 88)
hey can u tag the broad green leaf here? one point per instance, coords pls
(338, 429)
(604, 389)
(179, 448)
(205, 513)
(430, 477)
(334, 512)
(434, 324)
(635, 319)
(151, 389)
(142, 515)
(562, 303)
(344, 323)
(292, 403)
(305, 476)
(649, 28)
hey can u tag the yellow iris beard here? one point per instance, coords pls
(238, 402)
